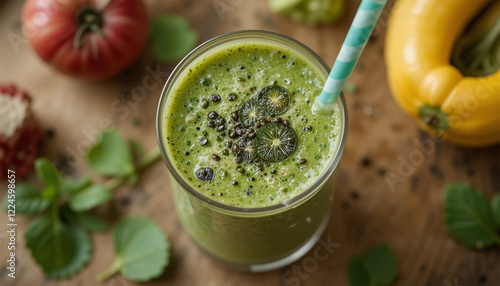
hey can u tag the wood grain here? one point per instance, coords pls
(365, 212)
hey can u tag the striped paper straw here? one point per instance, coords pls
(354, 43)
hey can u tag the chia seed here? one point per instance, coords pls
(215, 97)
(204, 103)
(212, 115)
(205, 174)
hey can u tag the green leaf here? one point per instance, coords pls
(47, 173)
(356, 272)
(61, 250)
(172, 37)
(84, 219)
(380, 265)
(111, 155)
(376, 267)
(81, 256)
(71, 186)
(495, 208)
(142, 250)
(468, 216)
(89, 198)
(27, 200)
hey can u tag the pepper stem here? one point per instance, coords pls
(476, 52)
(433, 117)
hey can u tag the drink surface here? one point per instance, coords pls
(201, 129)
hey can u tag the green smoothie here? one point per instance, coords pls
(239, 130)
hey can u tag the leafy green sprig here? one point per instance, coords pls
(376, 267)
(58, 238)
(470, 218)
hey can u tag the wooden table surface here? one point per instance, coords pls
(365, 211)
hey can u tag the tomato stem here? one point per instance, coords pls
(89, 20)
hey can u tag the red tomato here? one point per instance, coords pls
(92, 39)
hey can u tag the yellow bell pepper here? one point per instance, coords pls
(421, 37)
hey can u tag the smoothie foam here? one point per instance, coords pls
(236, 73)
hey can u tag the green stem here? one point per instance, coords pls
(114, 183)
(149, 158)
(115, 267)
(477, 54)
(77, 40)
(89, 20)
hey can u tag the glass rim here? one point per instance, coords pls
(185, 62)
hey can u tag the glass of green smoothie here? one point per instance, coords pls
(252, 164)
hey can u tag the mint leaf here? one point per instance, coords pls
(141, 248)
(495, 208)
(71, 186)
(81, 256)
(380, 265)
(111, 155)
(356, 272)
(468, 216)
(172, 37)
(27, 200)
(84, 219)
(89, 198)
(376, 267)
(47, 173)
(50, 242)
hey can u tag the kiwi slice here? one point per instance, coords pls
(249, 113)
(275, 142)
(274, 99)
(245, 150)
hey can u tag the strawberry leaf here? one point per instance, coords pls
(89, 198)
(375, 267)
(141, 248)
(60, 250)
(111, 155)
(84, 219)
(495, 208)
(47, 173)
(468, 216)
(28, 200)
(172, 37)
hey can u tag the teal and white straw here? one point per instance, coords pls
(354, 43)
